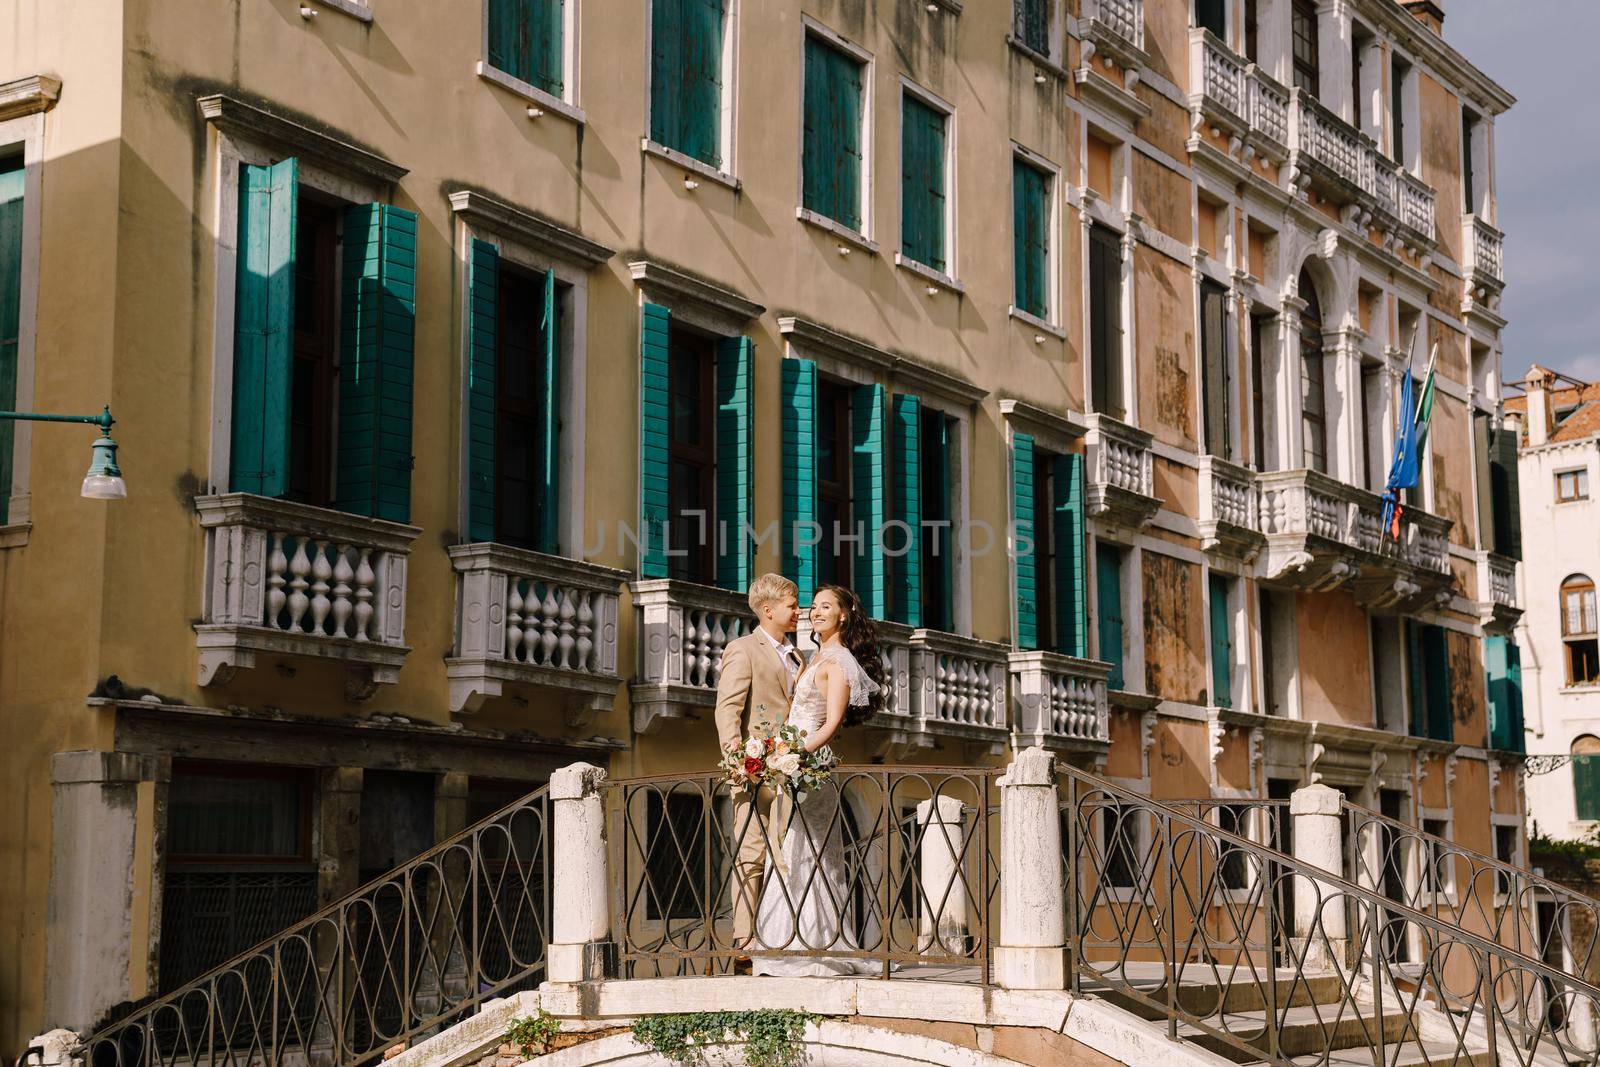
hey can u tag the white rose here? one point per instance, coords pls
(787, 764)
(755, 747)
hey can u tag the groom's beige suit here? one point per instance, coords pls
(753, 693)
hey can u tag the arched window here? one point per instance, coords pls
(1586, 776)
(1578, 630)
(1313, 395)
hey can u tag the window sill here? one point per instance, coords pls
(14, 535)
(1044, 62)
(837, 229)
(689, 163)
(1035, 322)
(354, 8)
(531, 93)
(1582, 688)
(927, 273)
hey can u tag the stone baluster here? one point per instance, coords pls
(941, 822)
(299, 568)
(580, 898)
(564, 631)
(514, 620)
(585, 631)
(343, 575)
(321, 573)
(277, 567)
(366, 579)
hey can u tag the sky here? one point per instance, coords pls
(1547, 161)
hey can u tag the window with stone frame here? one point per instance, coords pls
(1578, 630)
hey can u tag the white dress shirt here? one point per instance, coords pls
(787, 653)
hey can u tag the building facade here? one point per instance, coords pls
(1558, 419)
(447, 342)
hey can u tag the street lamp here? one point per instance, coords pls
(104, 479)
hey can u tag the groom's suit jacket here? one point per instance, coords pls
(753, 689)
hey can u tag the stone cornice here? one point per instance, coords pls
(28, 96)
(249, 122)
(1030, 418)
(491, 213)
(651, 275)
(927, 378)
(1425, 44)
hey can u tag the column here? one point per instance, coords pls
(1319, 915)
(580, 920)
(1342, 380)
(339, 837)
(941, 821)
(101, 882)
(1033, 916)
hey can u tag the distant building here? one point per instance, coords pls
(1559, 420)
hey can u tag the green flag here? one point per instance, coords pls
(1425, 399)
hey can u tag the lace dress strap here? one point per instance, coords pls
(861, 686)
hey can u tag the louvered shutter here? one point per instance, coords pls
(868, 415)
(735, 461)
(922, 191)
(938, 557)
(1214, 361)
(799, 416)
(1436, 681)
(1027, 563)
(483, 306)
(1072, 583)
(905, 567)
(378, 311)
(1221, 644)
(11, 184)
(654, 440)
(263, 341)
(1108, 606)
(547, 458)
(1507, 494)
(1030, 238)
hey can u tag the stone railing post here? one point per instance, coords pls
(941, 820)
(58, 1048)
(580, 919)
(1319, 913)
(1033, 904)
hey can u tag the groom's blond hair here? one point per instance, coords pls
(769, 587)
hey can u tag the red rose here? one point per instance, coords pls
(770, 744)
(754, 765)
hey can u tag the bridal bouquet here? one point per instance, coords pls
(778, 760)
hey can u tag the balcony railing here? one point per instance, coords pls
(1481, 247)
(1230, 510)
(526, 617)
(1059, 701)
(1497, 589)
(290, 579)
(1321, 532)
(1121, 471)
(1122, 18)
(1238, 95)
(683, 628)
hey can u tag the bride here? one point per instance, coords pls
(804, 906)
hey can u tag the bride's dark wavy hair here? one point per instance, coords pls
(858, 635)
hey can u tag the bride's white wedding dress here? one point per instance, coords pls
(806, 906)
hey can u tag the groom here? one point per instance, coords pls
(753, 691)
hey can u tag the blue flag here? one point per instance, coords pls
(1403, 471)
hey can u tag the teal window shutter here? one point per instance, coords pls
(263, 337)
(654, 442)
(1031, 238)
(831, 154)
(525, 41)
(1518, 739)
(11, 179)
(1108, 604)
(1221, 644)
(938, 535)
(377, 320)
(548, 457)
(922, 192)
(686, 77)
(1495, 668)
(1505, 494)
(800, 474)
(1022, 490)
(1415, 675)
(1586, 785)
(1072, 583)
(1436, 683)
(735, 461)
(868, 414)
(483, 309)
(905, 542)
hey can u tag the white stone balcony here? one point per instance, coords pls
(1497, 590)
(1121, 482)
(1322, 533)
(1230, 509)
(1059, 702)
(292, 580)
(682, 629)
(1346, 165)
(528, 618)
(957, 692)
(1235, 96)
(1114, 22)
(1481, 252)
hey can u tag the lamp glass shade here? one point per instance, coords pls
(104, 480)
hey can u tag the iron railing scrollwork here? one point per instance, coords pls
(411, 953)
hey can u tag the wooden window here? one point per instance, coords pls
(523, 409)
(1212, 15)
(1031, 24)
(1105, 321)
(316, 354)
(686, 77)
(833, 481)
(1586, 776)
(831, 154)
(1252, 32)
(1216, 367)
(1030, 192)
(1258, 390)
(1469, 192)
(691, 479)
(1572, 485)
(938, 529)
(1304, 45)
(923, 199)
(1399, 71)
(525, 41)
(1221, 640)
(1108, 604)
(1313, 398)
(1428, 664)
(1578, 630)
(11, 179)
(1503, 665)
(1044, 549)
